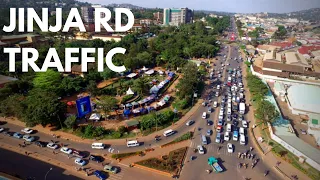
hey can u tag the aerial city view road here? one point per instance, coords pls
(212, 90)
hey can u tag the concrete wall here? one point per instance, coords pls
(293, 150)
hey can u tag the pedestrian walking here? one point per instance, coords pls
(24, 143)
(26, 153)
(20, 145)
(278, 163)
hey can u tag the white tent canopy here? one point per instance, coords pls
(130, 91)
(132, 75)
(144, 68)
(154, 90)
(95, 117)
(151, 71)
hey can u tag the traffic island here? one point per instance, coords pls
(122, 156)
(168, 165)
(180, 139)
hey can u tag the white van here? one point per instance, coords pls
(168, 133)
(241, 130)
(204, 115)
(204, 140)
(229, 111)
(242, 140)
(229, 128)
(97, 146)
(133, 143)
(218, 87)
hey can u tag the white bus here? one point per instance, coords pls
(133, 143)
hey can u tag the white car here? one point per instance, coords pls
(244, 124)
(27, 130)
(1, 129)
(190, 122)
(227, 136)
(200, 149)
(66, 150)
(52, 145)
(28, 138)
(80, 161)
(230, 148)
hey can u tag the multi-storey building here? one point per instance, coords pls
(87, 14)
(175, 17)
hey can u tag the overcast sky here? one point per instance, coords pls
(241, 6)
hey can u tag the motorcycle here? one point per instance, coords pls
(251, 148)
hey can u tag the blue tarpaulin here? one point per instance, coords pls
(126, 112)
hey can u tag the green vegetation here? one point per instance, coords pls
(107, 103)
(126, 155)
(218, 24)
(98, 132)
(266, 111)
(127, 98)
(280, 33)
(169, 163)
(184, 137)
(157, 119)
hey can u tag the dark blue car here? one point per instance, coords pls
(100, 175)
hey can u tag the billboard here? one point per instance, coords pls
(83, 106)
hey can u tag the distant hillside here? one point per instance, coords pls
(310, 14)
(129, 6)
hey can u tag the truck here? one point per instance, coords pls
(242, 108)
(213, 162)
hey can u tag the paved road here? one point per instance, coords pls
(229, 161)
(24, 167)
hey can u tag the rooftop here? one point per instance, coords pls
(272, 56)
(294, 58)
(308, 49)
(283, 67)
(308, 101)
(283, 45)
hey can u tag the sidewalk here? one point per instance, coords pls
(268, 157)
(75, 138)
(156, 153)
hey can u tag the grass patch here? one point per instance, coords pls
(184, 137)
(168, 163)
(125, 155)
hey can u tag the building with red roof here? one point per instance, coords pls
(283, 45)
(306, 50)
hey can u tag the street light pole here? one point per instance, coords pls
(45, 177)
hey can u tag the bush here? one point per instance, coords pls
(116, 135)
(126, 98)
(181, 104)
(122, 129)
(124, 155)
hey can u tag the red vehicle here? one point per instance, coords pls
(219, 128)
(229, 83)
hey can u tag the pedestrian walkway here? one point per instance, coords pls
(156, 153)
(268, 157)
(75, 138)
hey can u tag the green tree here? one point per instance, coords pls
(267, 112)
(92, 88)
(141, 86)
(189, 82)
(70, 122)
(48, 81)
(107, 103)
(43, 107)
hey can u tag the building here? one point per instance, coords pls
(297, 59)
(146, 22)
(22, 40)
(303, 103)
(158, 16)
(105, 37)
(87, 14)
(175, 17)
(307, 50)
(6, 79)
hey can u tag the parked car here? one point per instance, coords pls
(27, 130)
(111, 169)
(244, 124)
(209, 132)
(230, 148)
(80, 161)
(17, 135)
(8, 133)
(78, 154)
(190, 122)
(66, 150)
(226, 136)
(40, 143)
(96, 158)
(1, 129)
(200, 149)
(52, 145)
(29, 138)
(100, 175)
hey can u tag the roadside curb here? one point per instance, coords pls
(281, 172)
(168, 145)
